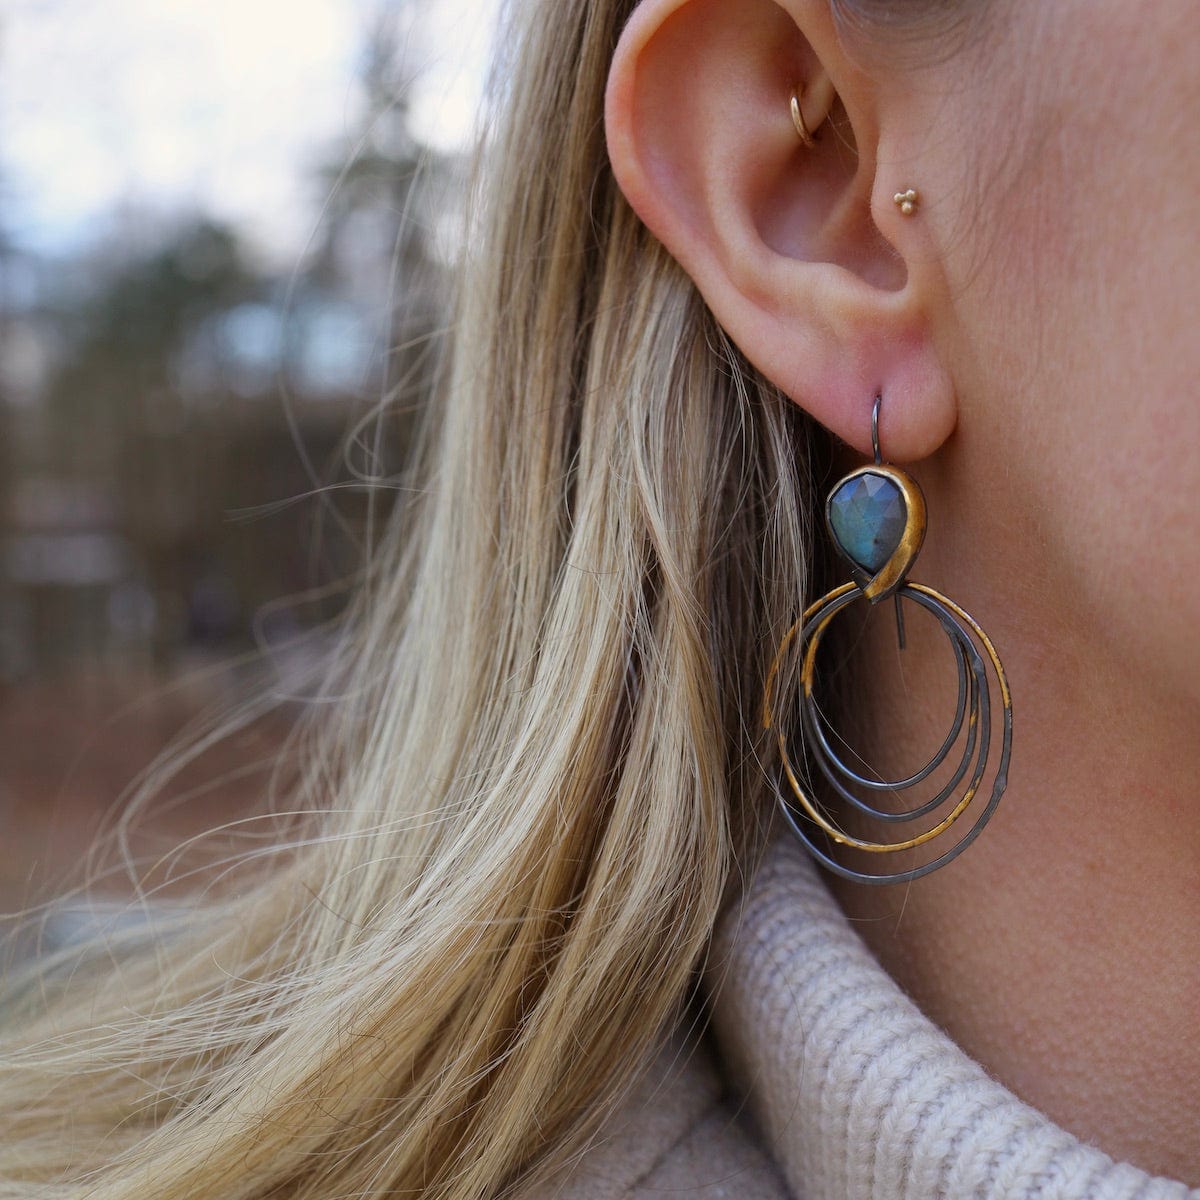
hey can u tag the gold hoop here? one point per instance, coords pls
(807, 672)
(798, 120)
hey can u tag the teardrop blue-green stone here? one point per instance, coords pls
(867, 515)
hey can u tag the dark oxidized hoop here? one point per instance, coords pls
(876, 517)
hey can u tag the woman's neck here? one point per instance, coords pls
(1061, 949)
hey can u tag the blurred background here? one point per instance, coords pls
(226, 235)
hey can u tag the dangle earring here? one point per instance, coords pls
(876, 517)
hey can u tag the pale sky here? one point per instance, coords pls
(220, 104)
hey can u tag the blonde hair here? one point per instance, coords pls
(541, 775)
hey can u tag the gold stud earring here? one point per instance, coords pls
(907, 201)
(802, 130)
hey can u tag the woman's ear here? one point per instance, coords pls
(800, 253)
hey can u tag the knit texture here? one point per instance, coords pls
(857, 1095)
(679, 1135)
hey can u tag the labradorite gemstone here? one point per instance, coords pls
(867, 515)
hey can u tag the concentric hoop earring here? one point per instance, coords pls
(876, 516)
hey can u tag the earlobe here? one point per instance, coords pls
(798, 250)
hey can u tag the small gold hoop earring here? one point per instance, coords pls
(802, 130)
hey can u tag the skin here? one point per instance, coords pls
(1031, 328)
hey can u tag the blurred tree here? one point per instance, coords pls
(126, 434)
(122, 374)
(387, 198)
(10, 633)
(188, 384)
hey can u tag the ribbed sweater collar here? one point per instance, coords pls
(857, 1095)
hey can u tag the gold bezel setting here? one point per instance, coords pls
(892, 574)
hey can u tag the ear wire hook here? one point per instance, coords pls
(879, 462)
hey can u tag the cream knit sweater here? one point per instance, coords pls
(832, 1086)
